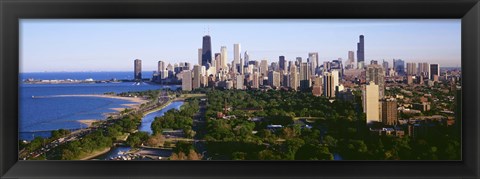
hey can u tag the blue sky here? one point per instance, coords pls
(112, 45)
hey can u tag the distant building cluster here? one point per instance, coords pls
(333, 79)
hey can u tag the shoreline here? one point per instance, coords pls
(96, 153)
(157, 108)
(88, 122)
(135, 101)
(131, 99)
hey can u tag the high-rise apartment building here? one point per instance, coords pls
(256, 80)
(294, 81)
(371, 105)
(336, 78)
(328, 85)
(351, 59)
(389, 111)
(411, 69)
(423, 69)
(239, 82)
(137, 69)
(376, 74)
(263, 67)
(187, 80)
(218, 61)
(197, 75)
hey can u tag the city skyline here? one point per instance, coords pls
(103, 55)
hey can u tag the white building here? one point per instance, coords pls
(371, 104)
(240, 79)
(223, 57)
(236, 54)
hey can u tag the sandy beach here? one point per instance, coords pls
(87, 122)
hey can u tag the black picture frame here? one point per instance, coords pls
(12, 10)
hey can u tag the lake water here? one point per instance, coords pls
(38, 116)
(149, 118)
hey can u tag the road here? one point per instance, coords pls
(199, 126)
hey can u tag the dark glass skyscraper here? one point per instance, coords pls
(282, 63)
(399, 66)
(434, 70)
(360, 50)
(207, 51)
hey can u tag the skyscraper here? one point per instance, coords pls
(399, 66)
(328, 85)
(336, 78)
(317, 86)
(200, 52)
(206, 51)
(246, 58)
(263, 67)
(423, 69)
(411, 69)
(236, 54)
(282, 63)
(385, 66)
(223, 51)
(371, 105)
(294, 82)
(298, 60)
(218, 61)
(161, 66)
(351, 59)
(239, 82)
(361, 50)
(197, 75)
(187, 80)
(137, 69)
(434, 70)
(389, 111)
(304, 76)
(274, 79)
(376, 74)
(313, 59)
(255, 80)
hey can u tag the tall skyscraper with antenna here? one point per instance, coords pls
(206, 51)
(361, 50)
